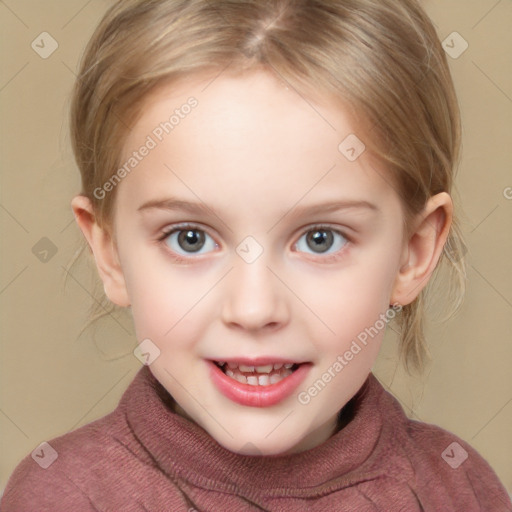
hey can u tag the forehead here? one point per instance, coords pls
(253, 137)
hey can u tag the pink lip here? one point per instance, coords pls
(257, 396)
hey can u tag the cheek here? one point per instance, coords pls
(163, 299)
(354, 295)
(349, 302)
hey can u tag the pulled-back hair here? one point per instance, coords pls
(381, 58)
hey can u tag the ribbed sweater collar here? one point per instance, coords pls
(186, 452)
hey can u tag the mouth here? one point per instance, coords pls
(253, 375)
(260, 382)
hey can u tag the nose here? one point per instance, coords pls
(254, 298)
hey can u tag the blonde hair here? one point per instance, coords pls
(382, 58)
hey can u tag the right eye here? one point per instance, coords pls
(187, 240)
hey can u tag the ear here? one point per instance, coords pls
(104, 251)
(423, 249)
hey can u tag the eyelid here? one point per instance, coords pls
(326, 227)
(165, 232)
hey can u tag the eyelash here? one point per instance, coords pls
(317, 227)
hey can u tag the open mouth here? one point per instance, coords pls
(258, 382)
(265, 375)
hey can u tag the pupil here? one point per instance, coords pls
(321, 240)
(189, 239)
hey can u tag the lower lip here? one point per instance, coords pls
(257, 396)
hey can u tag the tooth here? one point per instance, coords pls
(277, 366)
(247, 369)
(252, 380)
(275, 378)
(286, 373)
(263, 380)
(241, 378)
(229, 373)
(221, 363)
(232, 365)
(264, 369)
(288, 365)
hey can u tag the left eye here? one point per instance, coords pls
(189, 241)
(321, 240)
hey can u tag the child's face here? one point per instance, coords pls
(265, 160)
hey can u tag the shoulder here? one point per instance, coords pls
(457, 466)
(28, 487)
(57, 475)
(103, 465)
(45, 477)
(444, 469)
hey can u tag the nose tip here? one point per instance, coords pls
(254, 299)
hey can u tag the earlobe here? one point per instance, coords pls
(104, 251)
(423, 249)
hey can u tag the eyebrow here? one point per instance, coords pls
(174, 204)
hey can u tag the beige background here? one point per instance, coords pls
(53, 380)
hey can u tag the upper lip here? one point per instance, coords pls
(258, 361)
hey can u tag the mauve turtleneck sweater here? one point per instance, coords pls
(145, 457)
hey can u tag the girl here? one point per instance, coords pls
(266, 184)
